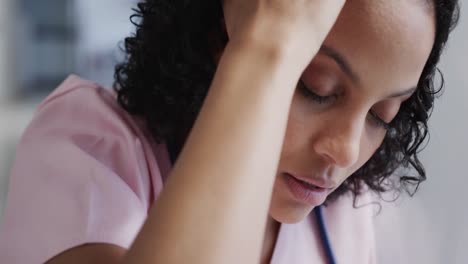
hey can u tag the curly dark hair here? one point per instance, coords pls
(169, 67)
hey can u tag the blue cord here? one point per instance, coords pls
(324, 235)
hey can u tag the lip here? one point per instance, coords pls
(303, 192)
(322, 184)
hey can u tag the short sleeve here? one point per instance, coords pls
(80, 176)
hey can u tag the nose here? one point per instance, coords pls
(339, 141)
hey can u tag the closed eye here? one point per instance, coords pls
(309, 94)
(379, 121)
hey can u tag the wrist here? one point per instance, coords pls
(266, 54)
(277, 46)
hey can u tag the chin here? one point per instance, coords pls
(290, 215)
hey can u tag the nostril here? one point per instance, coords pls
(339, 152)
(329, 159)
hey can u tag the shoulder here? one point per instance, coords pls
(85, 172)
(82, 121)
(77, 101)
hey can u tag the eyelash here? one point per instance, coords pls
(306, 92)
(379, 121)
(326, 99)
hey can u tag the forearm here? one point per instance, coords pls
(214, 206)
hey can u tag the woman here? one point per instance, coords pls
(251, 115)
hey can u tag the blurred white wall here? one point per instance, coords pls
(5, 94)
(447, 156)
(5, 29)
(96, 48)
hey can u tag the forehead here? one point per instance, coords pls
(385, 40)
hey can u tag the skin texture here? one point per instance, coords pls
(386, 43)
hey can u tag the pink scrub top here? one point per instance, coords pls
(88, 172)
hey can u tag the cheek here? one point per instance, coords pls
(369, 145)
(300, 128)
(294, 137)
(305, 127)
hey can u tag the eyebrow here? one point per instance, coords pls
(348, 70)
(341, 61)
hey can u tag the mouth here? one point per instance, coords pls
(312, 183)
(307, 191)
